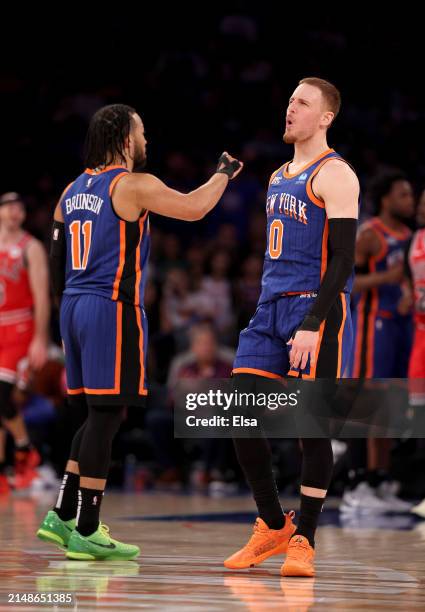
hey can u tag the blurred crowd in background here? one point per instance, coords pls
(198, 95)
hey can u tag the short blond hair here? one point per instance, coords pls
(330, 93)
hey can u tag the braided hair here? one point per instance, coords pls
(105, 141)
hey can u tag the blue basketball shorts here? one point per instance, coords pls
(105, 345)
(382, 342)
(263, 348)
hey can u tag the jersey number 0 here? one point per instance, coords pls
(275, 239)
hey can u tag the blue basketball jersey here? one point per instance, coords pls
(391, 253)
(297, 233)
(106, 255)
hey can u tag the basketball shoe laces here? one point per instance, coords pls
(104, 529)
(256, 542)
(302, 550)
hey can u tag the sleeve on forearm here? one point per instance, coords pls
(341, 243)
(57, 258)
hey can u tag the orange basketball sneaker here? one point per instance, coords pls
(264, 543)
(299, 558)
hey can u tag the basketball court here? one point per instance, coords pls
(365, 563)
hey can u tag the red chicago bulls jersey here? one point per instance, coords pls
(16, 301)
(417, 266)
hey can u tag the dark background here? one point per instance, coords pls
(204, 81)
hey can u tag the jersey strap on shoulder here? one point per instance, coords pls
(309, 186)
(115, 180)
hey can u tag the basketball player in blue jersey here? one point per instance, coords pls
(302, 324)
(383, 330)
(99, 254)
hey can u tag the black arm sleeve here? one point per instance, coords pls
(57, 258)
(341, 244)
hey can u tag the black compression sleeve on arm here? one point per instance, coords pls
(57, 258)
(341, 244)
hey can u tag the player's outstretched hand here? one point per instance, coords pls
(229, 165)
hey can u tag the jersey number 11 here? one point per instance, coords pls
(78, 262)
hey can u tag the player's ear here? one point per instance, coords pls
(327, 118)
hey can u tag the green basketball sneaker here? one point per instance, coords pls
(56, 531)
(99, 545)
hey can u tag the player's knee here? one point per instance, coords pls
(106, 419)
(95, 448)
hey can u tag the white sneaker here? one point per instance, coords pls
(419, 509)
(219, 488)
(387, 491)
(363, 499)
(355, 520)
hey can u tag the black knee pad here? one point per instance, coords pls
(97, 435)
(105, 419)
(8, 409)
